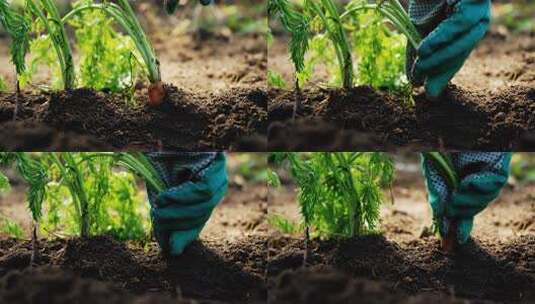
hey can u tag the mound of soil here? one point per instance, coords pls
(321, 284)
(55, 286)
(34, 136)
(186, 121)
(362, 117)
(497, 272)
(232, 272)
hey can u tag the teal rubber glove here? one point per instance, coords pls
(482, 176)
(452, 30)
(196, 183)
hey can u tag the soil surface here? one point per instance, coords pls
(226, 265)
(490, 105)
(235, 119)
(216, 94)
(496, 265)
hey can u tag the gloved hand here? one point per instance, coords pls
(482, 176)
(172, 5)
(452, 29)
(197, 182)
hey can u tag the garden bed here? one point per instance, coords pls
(489, 106)
(216, 92)
(405, 264)
(227, 264)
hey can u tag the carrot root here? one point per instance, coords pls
(156, 94)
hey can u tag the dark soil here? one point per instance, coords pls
(498, 272)
(201, 272)
(363, 118)
(53, 285)
(35, 136)
(321, 284)
(235, 119)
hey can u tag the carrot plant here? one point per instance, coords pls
(108, 59)
(323, 31)
(34, 173)
(48, 21)
(125, 16)
(17, 27)
(339, 193)
(85, 193)
(298, 24)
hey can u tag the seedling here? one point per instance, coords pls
(298, 25)
(48, 16)
(321, 18)
(86, 181)
(33, 172)
(18, 28)
(339, 193)
(108, 59)
(125, 16)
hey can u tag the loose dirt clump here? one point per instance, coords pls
(319, 284)
(53, 285)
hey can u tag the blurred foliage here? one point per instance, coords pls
(518, 17)
(243, 23)
(10, 228)
(285, 225)
(3, 85)
(523, 167)
(4, 183)
(275, 80)
(247, 167)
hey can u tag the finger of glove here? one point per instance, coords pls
(436, 83)
(454, 50)
(436, 187)
(179, 240)
(170, 225)
(464, 229)
(474, 194)
(468, 14)
(213, 182)
(179, 212)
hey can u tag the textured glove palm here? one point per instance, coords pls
(482, 176)
(444, 50)
(179, 213)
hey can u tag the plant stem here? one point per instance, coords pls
(336, 33)
(35, 245)
(48, 13)
(306, 254)
(393, 11)
(443, 164)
